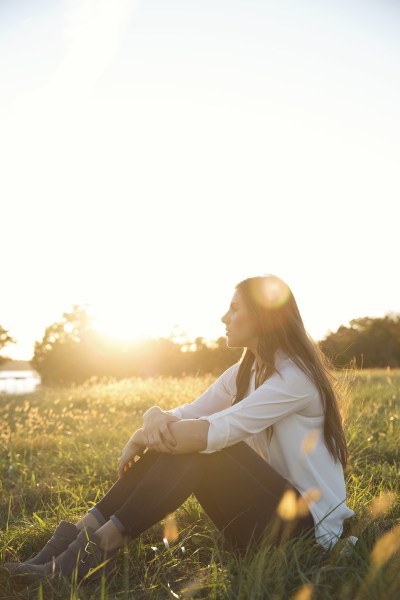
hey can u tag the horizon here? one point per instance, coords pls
(177, 334)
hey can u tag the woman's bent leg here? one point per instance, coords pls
(118, 494)
(154, 486)
(166, 485)
(240, 492)
(237, 488)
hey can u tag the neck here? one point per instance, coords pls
(253, 347)
(259, 362)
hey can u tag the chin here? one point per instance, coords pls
(231, 343)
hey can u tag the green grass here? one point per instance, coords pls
(58, 455)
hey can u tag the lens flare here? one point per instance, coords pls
(273, 292)
(312, 495)
(171, 532)
(290, 507)
(287, 508)
(387, 545)
(309, 442)
(304, 502)
(382, 504)
(306, 592)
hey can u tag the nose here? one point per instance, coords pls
(223, 319)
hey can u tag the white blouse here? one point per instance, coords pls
(290, 402)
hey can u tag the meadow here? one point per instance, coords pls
(58, 454)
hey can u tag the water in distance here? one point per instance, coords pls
(19, 382)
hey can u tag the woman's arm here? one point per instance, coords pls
(217, 397)
(280, 396)
(157, 431)
(190, 436)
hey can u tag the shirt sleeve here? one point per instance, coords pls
(280, 396)
(216, 398)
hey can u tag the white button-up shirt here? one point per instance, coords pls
(290, 402)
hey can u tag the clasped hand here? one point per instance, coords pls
(128, 455)
(154, 435)
(155, 431)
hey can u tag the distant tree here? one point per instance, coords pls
(5, 339)
(62, 355)
(72, 351)
(369, 342)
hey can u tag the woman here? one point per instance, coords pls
(265, 438)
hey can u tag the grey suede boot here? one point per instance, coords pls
(82, 556)
(64, 534)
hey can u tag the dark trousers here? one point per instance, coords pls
(237, 489)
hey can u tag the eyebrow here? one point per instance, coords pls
(235, 304)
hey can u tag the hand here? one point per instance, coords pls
(128, 454)
(155, 431)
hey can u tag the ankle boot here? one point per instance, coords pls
(64, 534)
(83, 556)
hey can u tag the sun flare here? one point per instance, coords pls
(122, 327)
(127, 321)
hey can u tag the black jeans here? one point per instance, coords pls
(237, 489)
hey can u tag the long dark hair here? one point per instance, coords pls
(272, 305)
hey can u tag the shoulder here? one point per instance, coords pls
(289, 375)
(228, 378)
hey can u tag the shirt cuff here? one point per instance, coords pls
(176, 412)
(218, 434)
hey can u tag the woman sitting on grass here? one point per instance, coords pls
(265, 436)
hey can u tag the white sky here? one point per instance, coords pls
(153, 154)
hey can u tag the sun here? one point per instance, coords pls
(126, 323)
(121, 326)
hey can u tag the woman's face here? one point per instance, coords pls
(241, 331)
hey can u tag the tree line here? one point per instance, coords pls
(367, 342)
(5, 339)
(73, 351)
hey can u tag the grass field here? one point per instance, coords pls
(58, 455)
